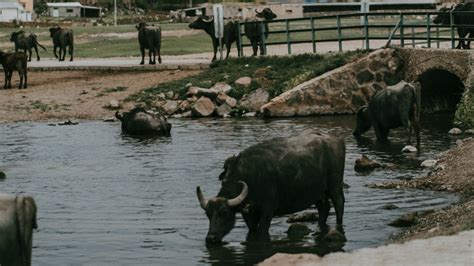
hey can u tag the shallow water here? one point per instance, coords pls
(107, 198)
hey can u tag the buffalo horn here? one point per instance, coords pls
(210, 19)
(202, 200)
(256, 11)
(118, 115)
(237, 200)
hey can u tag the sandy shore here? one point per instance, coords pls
(61, 95)
(442, 237)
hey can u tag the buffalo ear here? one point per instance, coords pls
(118, 115)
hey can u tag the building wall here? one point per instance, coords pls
(63, 11)
(28, 4)
(8, 14)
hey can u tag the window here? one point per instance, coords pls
(69, 10)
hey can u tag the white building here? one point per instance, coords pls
(10, 11)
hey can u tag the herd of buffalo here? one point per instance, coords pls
(276, 177)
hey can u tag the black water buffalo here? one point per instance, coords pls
(444, 18)
(277, 177)
(143, 122)
(149, 37)
(11, 62)
(62, 38)
(206, 23)
(395, 106)
(17, 221)
(26, 42)
(253, 31)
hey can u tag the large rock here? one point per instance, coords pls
(222, 87)
(303, 217)
(364, 164)
(409, 148)
(223, 110)
(429, 163)
(255, 100)
(170, 107)
(221, 98)
(405, 220)
(243, 82)
(184, 106)
(469, 131)
(203, 107)
(334, 236)
(232, 102)
(298, 230)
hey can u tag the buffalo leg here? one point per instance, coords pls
(142, 50)
(254, 48)
(20, 73)
(71, 52)
(261, 49)
(150, 52)
(159, 54)
(6, 78)
(54, 51)
(228, 47)
(214, 46)
(264, 225)
(323, 211)
(10, 73)
(37, 54)
(416, 126)
(337, 198)
(28, 53)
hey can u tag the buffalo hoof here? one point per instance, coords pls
(142, 63)
(37, 59)
(152, 63)
(70, 60)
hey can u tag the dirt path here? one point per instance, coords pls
(61, 95)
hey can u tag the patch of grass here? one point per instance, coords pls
(274, 74)
(116, 89)
(41, 106)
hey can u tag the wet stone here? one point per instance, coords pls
(303, 217)
(390, 207)
(455, 131)
(364, 164)
(298, 230)
(2, 175)
(405, 220)
(409, 148)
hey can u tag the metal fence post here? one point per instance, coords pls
(366, 26)
(402, 31)
(437, 37)
(451, 23)
(413, 37)
(288, 41)
(428, 30)
(339, 32)
(262, 38)
(240, 51)
(313, 35)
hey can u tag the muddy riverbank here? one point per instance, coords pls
(61, 95)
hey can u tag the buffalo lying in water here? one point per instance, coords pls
(395, 106)
(143, 122)
(277, 177)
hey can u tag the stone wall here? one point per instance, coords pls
(465, 112)
(341, 91)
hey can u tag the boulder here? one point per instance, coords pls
(201, 92)
(114, 104)
(184, 106)
(469, 131)
(429, 163)
(187, 114)
(390, 206)
(405, 220)
(221, 98)
(455, 131)
(334, 236)
(2, 175)
(249, 114)
(255, 100)
(303, 217)
(203, 107)
(169, 95)
(365, 164)
(170, 107)
(409, 148)
(223, 110)
(243, 82)
(232, 102)
(298, 230)
(222, 87)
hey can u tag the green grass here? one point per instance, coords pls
(274, 74)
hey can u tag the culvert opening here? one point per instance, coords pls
(441, 91)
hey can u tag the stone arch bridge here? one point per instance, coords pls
(446, 77)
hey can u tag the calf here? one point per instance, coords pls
(14, 61)
(17, 221)
(395, 106)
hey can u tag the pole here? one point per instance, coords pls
(115, 13)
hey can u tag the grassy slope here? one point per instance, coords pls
(274, 74)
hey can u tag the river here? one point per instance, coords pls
(106, 198)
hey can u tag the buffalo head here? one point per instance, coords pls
(266, 14)
(363, 122)
(141, 25)
(53, 30)
(14, 35)
(202, 22)
(221, 213)
(443, 16)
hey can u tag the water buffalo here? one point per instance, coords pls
(253, 31)
(395, 106)
(206, 23)
(149, 37)
(11, 62)
(17, 221)
(62, 38)
(26, 42)
(444, 18)
(277, 177)
(143, 122)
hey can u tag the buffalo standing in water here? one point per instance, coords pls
(277, 177)
(206, 23)
(253, 31)
(395, 106)
(149, 38)
(143, 122)
(11, 62)
(62, 38)
(26, 42)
